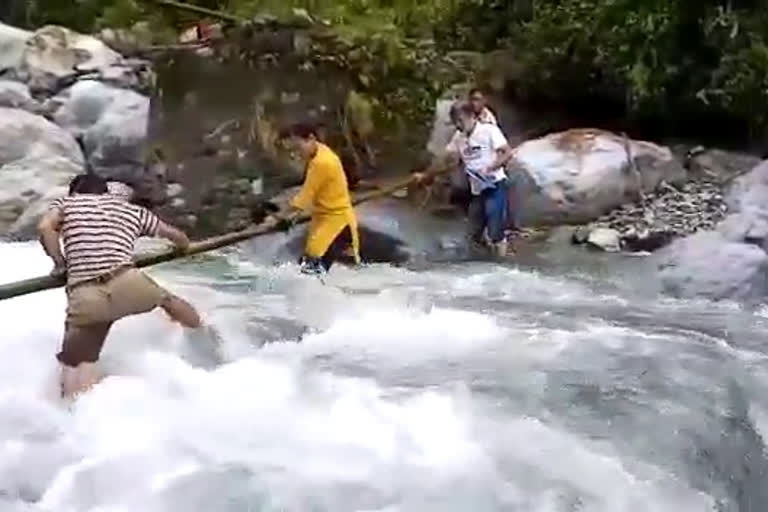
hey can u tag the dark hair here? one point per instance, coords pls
(476, 90)
(88, 184)
(303, 130)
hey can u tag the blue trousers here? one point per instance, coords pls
(489, 210)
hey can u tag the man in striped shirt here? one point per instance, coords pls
(99, 231)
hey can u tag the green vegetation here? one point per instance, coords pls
(657, 61)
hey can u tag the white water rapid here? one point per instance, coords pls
(471, 387)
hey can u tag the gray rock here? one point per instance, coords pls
(605, 239)
(52, 58)
(37, 161)
(54, 55)
(174, 189)
(17, 95)
(442, 128)
(242, 186)
(113, 124)
(578, 175)
(13, 42)
(747, 200)
(718, 165)
(580, 235)
(708, 265)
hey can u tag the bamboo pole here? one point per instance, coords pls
(37, 284)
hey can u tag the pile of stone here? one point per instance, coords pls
(662, 216)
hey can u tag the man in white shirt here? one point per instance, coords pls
(483, 152)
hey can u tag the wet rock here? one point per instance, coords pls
(580, 235)
(709, 265)
(606, 239)
(578, 175)
(647, 241)
(37, 161)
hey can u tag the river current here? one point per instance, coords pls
(546, 387)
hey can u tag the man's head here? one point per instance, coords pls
(88, 184)
(463, 116)
(477, 100)
(304, 138)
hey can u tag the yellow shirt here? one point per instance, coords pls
(325, 193)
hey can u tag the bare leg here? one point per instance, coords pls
(79, 379)
(79, 352)
(181, 311)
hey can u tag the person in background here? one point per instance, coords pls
(325, 193)
(483, 152)
(480, 107)
(98, 231)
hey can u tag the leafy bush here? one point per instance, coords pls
(664, 60)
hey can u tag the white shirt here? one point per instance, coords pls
(478, 151)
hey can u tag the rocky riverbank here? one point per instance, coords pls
(57, 86)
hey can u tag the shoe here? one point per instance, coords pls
(500, 249)
(311, 267)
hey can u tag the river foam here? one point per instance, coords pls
(399, 397)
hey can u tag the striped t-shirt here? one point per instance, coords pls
(99, 233)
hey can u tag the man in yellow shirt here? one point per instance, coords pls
(325, 193)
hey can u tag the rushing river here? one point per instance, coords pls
(456, 387)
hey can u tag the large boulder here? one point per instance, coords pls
(17, 95)
(577, 175)
(731, 262)
(747, 201)
(442, 127)
(55, 55)
(709, 265)
(37, 161)
(53, 58)
(13, 42)
(718, 165)
(113, 125)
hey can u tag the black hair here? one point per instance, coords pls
(476, 90)
(88, 183)
(303, 130)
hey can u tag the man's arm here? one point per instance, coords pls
(501, 147)
(447, 159)
(450, 158)
(48, 230)
(312, 183)
(178, 237)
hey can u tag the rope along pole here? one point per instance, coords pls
(38, 284)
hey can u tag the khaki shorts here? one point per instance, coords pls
(93, 306)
